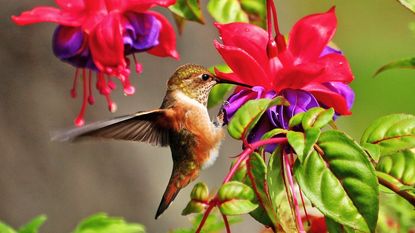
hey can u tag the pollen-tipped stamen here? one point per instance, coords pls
(138, 66)
(79, 121)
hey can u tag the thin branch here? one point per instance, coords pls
(225, 220)
(205, 216)
(242, 157)
(405, 194)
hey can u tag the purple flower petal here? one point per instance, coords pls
(240, 98)
(344, 90)
(330, 50)
(141, 32)
(300, 101)
(69, 45)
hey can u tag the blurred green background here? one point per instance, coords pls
(70, 181)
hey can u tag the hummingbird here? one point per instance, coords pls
(182, 122)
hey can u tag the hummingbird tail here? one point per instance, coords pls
(169, 195)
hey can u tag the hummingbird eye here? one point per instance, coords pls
(205, 77)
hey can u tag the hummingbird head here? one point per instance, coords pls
(195, 81)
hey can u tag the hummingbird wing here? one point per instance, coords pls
(141, 126)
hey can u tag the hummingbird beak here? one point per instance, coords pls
(218, 80)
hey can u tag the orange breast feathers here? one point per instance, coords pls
(195, 118)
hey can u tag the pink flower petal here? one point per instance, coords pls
(248, 37)
(310, 35)
(244, 65)
(228, 76)
(330, 68)
(48, 14)
(329, 98)
(297, 77)
(143, 5)
(336, 69)
(167, 39)
(71, 5)
(107, 46)
(96, 6)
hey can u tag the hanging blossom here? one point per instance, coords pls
(303, 69)
(96, 36)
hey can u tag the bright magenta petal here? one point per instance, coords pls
(228, 76)
(71, 5)
(248, 37)
(107, 46)
(167, 39)
(297, 77)
(329, 98)
(310, 35)
(336, 69)
(96, 6)
(244, 66)
(143, 5)
(48, 14)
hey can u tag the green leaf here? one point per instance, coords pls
(249, 114)
(341, 183)
(303, 142)
(218, 94)
(237, 207)
(188, 9)
(410, 4)
(240, 173)
(406, 63)
(4, 228)
(235, 190)
(213, 224)
(400, 165)
(257, 171)
(273, 133)
(389, 134)
(275, 177)
(219, 91)
(317, 117)
(227, 11)
(256, 10)
(194, 207)
(102, 223)
(235, 198)
(296, 120)
(34, 225)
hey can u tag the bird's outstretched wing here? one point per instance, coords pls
(141, 126)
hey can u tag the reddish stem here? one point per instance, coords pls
(295, 201)
(225, 220)
(205, 216)
(244, 155)
(241, 157)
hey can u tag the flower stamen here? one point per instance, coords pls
(79, 121)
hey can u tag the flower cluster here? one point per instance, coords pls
(303, 69)
(98, 35)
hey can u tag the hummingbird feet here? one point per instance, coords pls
(220, 118)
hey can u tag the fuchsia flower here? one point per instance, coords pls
(99, 35)
(304, 69)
